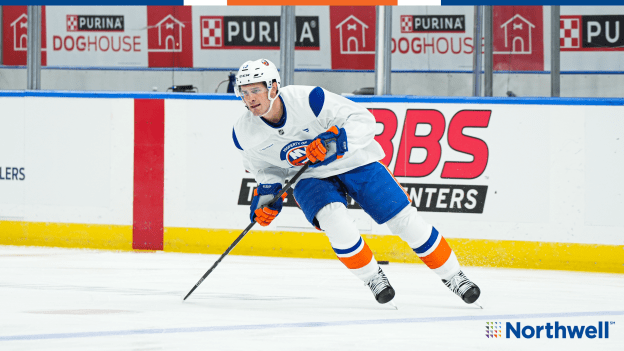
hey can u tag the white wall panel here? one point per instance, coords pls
(553, 173)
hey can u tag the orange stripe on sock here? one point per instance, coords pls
(439, 256)
(358, 260)
(399, 184)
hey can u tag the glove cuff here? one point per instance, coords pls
(268, 189)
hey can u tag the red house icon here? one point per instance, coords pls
(167, 35)
(353, 37)
(20, 33)
(517, 36)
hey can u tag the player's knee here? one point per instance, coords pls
(338, 225)
(331, 213)
(410, 226)
(400, 222)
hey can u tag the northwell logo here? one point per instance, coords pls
(550, 331)
(493, 329)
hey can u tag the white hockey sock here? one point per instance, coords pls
(410, 226)
(346, 241)
(426, 242)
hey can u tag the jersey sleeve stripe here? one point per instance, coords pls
(236, 140)
(316, 99)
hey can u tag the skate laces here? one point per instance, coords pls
(459, 284)
(378, 283)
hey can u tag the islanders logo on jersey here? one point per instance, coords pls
(295, 153)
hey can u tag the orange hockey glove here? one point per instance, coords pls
(263, 194)
(317, 152)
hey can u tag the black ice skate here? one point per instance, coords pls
(463, 287)
(381, 288)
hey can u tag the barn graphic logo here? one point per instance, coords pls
(95, 23)
(15, 35)
(518, 33)
(353, 37)
(255, 32)
(352, 32)
(517, 36)
(169, 36)
(433, 24)
(592, 33)
(295, 153)
(20, 33)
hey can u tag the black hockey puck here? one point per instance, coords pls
(383, 262)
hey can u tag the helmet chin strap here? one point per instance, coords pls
(271, 102)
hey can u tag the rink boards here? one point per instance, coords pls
(528, 183)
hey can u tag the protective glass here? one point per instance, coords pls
(252, 91)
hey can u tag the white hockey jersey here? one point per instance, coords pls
(273, 153)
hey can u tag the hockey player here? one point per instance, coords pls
(286, 127)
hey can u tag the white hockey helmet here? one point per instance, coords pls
(258, 71)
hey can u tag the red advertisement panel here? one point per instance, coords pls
(352, 31)
(169, 36)
(518, 38)
(15, 35)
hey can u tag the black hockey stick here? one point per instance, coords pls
(240, 237)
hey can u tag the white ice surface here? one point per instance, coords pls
(69, 299)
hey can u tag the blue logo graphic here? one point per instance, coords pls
(550, 331)
(295, 153)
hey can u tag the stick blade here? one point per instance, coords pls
(189, 293)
